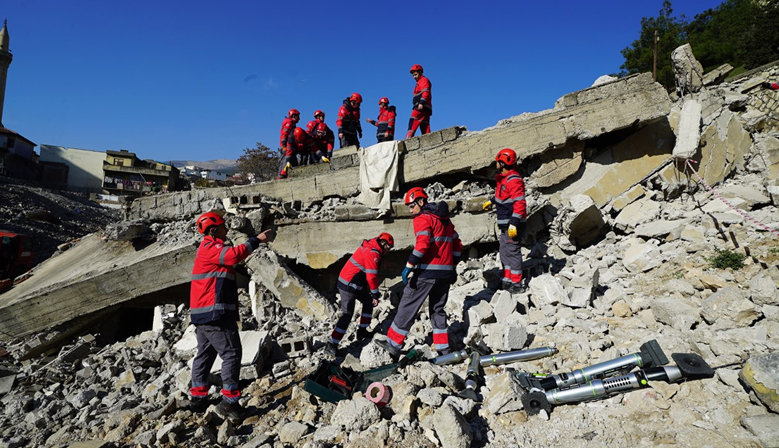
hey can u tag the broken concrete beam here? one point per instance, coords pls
(291, 291)
(93, 275)
(355, 213)
(717, 75)
(688, 71)
(318, 245)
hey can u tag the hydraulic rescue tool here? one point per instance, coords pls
(471, 377)
(499, 358)
(651, 355)
(688, 367)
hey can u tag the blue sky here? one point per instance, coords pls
(196, 80)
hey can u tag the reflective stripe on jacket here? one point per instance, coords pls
(362, 268)
(437, 244)
(510, 199)
(213, 291)
(386, 122)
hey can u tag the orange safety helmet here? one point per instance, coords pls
(209, 219)
(386, 237)
(356, 97)
(293, 112)
(416, 68)
(384, 99)
(319, 112)
(507, 156)
(300, 135)
(415, 193)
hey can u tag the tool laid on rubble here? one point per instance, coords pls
(651, 355)
(499, 358)
(688, 367)
(471, 378)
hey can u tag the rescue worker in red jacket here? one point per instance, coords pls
(323, 136)
(299, 146)
(422, 101)
(213, 308)
(511, 206)
(348, 122)
(288, 126)
(770, 85)
(386, 123)
(359, 280)
(429, 272)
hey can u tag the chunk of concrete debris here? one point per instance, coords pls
(578, 224)
(765, 427)
(688, 134)
(761, 374)
(126, 230)
(545, 289)
(452, 428)
(355, 415)
(688, 71)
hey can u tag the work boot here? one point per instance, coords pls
(409, 134)
(330, 350)
(232, 411)
(363, 333)
(198, 405)
(516, 288)
(387, 347)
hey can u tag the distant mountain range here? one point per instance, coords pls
(218, 164)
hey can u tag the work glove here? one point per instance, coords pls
(407, 273)
(512, 231)
(325, 159)
(487, 205)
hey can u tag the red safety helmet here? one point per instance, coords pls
(293, 112)
(209, 219)
(415, 193)
(300, 135)
(386, 237)
(416, 68)
(319, 112)
(356, 97)
(507, 156)
(384, 99)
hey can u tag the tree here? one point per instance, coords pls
(639, 56)
(759, 44)
(261, 161)
(715, 34)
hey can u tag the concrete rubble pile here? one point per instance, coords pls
(621, 238)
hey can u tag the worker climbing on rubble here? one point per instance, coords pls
(385, 125)
(511, 206)
(422, 101)
(429, 272)
(770, 85)
(213, 309)
(348, 122)
(288, 125)
(300, 148)
(323, 136)
(359, 280)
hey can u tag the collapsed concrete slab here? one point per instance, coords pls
(93, 275)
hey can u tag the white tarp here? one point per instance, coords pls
(378, 174)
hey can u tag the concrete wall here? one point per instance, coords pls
(85, 167)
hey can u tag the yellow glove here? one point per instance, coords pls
(512, 232)
(487, 205)
(325, 159)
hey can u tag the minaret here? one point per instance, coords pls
(5, 61)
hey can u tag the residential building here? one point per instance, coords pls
(126, 175)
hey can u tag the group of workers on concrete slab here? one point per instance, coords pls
(315, 144)
(428, 274)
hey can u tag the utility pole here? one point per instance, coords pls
(654, 65)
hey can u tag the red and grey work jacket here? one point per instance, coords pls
(348, 121)
(322, 134)
(437, 244)
(295, 147)
(213, 291)
(510, 199)
(386, 122)
(362, 268)
(287, 127)
(423, 95)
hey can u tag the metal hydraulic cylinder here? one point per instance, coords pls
(451, 358)
(601, 388)
(471, 376)
(522, 355)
